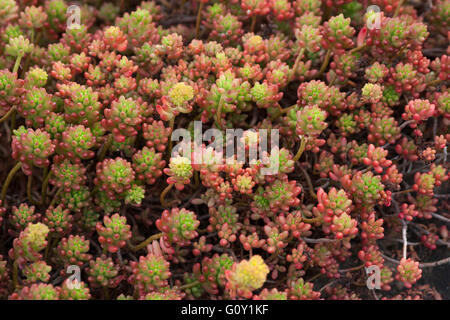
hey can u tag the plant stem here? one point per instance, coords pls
(403, 191)
(357, 49)
(163, 195)
(53, 244)
(320, 240)
(47, 176)
(8, 180)
(281, 110)
(314, 277)
(165, 3)
(326, 12)
(273, 257)
(286, 110)
(122, 5)
(146, 242)
(38, 37)
(47, 249)
(434, 82)
(15, 274)
(196, 179)
(52, 204)
(8, 114)
(404, 124)
(12, 126)
(310, 221)
(301, 149)
(219, 112)
(252, 27)
(189, 285)
(32, 35)
(17, 64)
(171, 125)
(26, 65)
(106, 147)
(325, 63)
(422, 264)
(95, 190)
(405, 239)
(138, 78)
(106, 293)
(439, 217)
(353, 269)
(397, 10)
(199, 19)
(297, 62)
(29, 183)
(309, 182)
(434, 264)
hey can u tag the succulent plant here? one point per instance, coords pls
(355, 101)
(149, 273)
(301, 290)
(30, 243)
(408, 272)
(11, 91)
(104, 272)
(9, 11)
(114, 232)
(156, 135)
(58, 220)
(178, 225)
(32, 148)
(23, 215)
(246, 276)
(73, 250)
(179, 171)
(114, 176)
(76, 143)
(37, 272)
(67, 175)
(74, 291)
(337, 34)
(40, 291)
(123, 118)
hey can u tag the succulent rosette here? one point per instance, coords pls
(73, 250)
(149, 273)
(113, 233)
(103, 272)
(246, 276)
(76, 143)
(40, 291)
(178, 225)
(123, 118)
(114, 176)
(11, 90)
(32, 148)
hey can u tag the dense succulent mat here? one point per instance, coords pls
(349, 202)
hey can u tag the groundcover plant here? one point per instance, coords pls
(240, 149)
